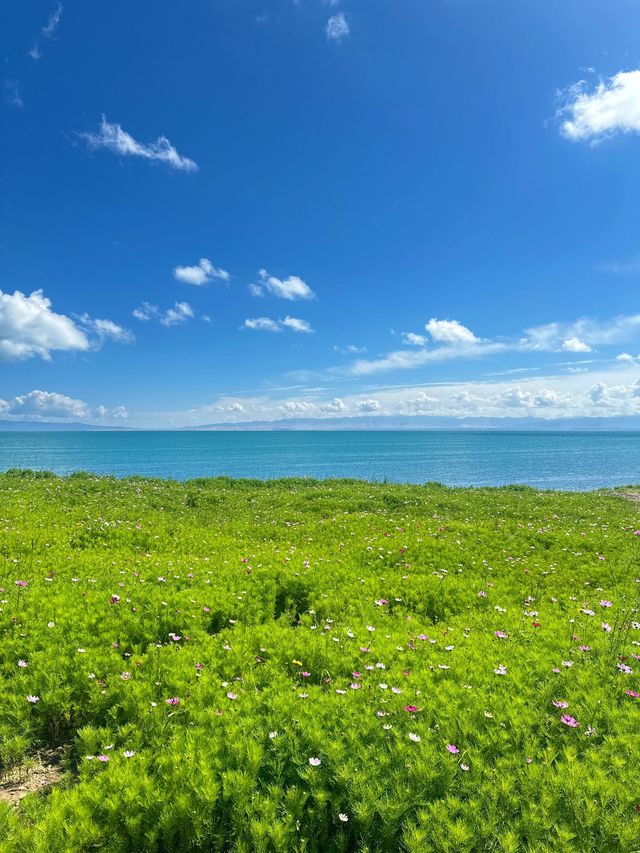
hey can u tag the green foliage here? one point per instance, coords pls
(364, 626)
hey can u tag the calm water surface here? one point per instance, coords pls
(556, 460)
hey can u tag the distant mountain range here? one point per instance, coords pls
(381, 422)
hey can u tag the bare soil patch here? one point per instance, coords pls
(37, 773)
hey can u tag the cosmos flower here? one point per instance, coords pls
(22, 664)
(410, 709)
(501, 635)
(560, 703)
(605, 603)
(452, 748)
(569, 721)
(33, 699)
(500, 670)
(129, 753)
(414, 737)
(315, 762)
(343, 817)
(174, 700)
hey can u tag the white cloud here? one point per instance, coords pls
(552, 337)
(411, 339)
(612, 107)
(203, 272)
(180, 313)
(115, 139)
(337, 27)
(297, 325)
(291, 288)
(350, 349)
(575, 345)
(28, 328)
(263, 324)
(450, 332)
(368, 406)
(333, 407)
(50, 405)
(297, 408)
(266, 324)
(104, 330)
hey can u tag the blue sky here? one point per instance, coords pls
(230, 210)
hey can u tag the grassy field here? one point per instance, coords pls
(304, 666)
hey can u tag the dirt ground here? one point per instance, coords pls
(38, 773)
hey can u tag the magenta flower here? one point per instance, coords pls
(634, 694)
(410, 709)
(173, 701)
(103, 758)
(21, 584)
(199, 667)
(305, 674)
(501, 635)
(452, 748)
(569, 721)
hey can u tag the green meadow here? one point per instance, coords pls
(225, 665)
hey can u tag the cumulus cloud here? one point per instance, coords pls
(298, 408)
(337, 27)
(575, 345)
(368, 406)
(115, 139)
(50, 405)
(202, 273)
(291, 288)
(29, 328)
(266, 324)
(450, 332)
(180, 313)
(613, 106)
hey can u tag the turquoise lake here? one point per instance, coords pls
(549, 460)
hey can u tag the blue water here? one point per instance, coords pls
(558, 460)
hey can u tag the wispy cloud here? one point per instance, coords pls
(613, 106)
(266, 324)
(115, 139)
(175, 316)
(47, 32)
(12, 93)
(202, 273)
(291, 288)
(337, 27)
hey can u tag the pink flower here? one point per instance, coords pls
(410, 709)
(624, 668)
(584, 648)
(115, 599)
(606, 627)
(605, 603)
(569, 721)
(560, 704)
(21, 583)
(305, 674)
(500, 635)
(173, 701)
(632, 693)
(103, 758)
(452, 748)
(231, 695)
